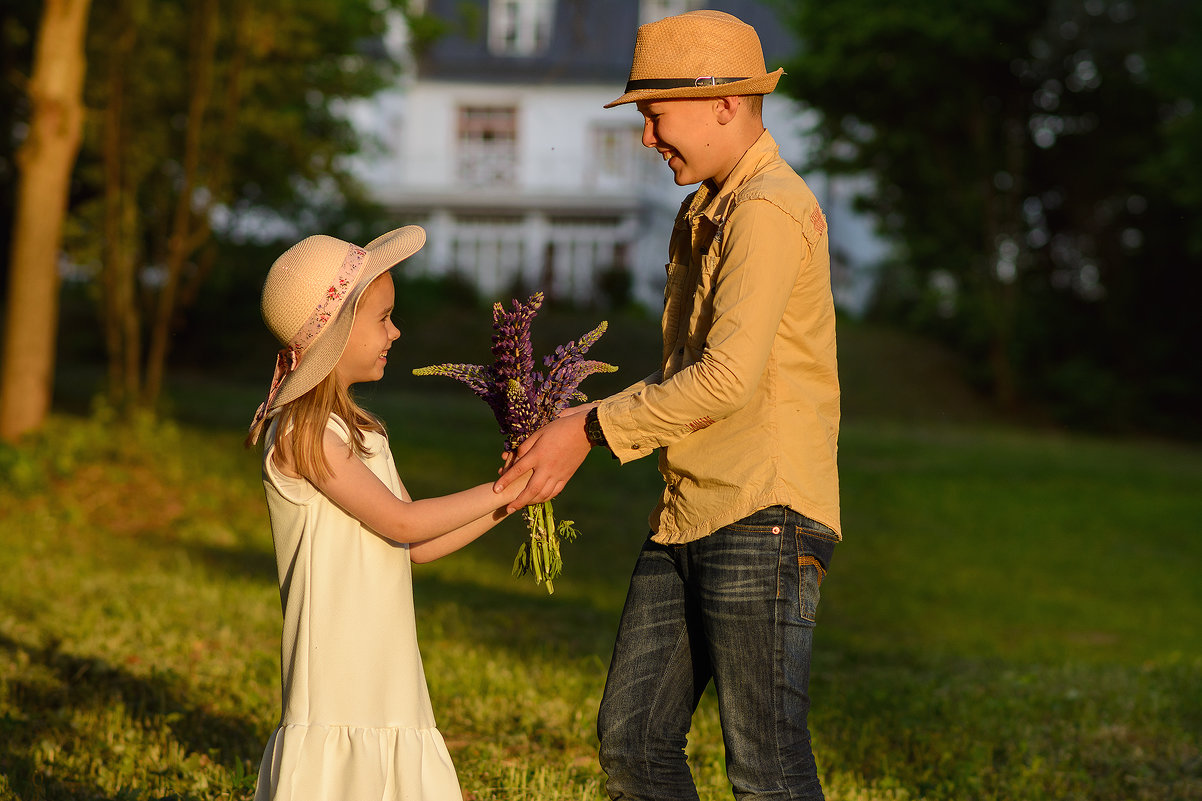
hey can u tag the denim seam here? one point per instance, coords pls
(661, 681)
(778, 677)
(786, 559)
(816, 533)
(743, 528)
(805, 558)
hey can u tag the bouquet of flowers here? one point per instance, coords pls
(523, 401)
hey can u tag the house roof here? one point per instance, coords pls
(591, 42)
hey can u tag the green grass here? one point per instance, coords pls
(1014, 613)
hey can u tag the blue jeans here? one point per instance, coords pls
(737, 607)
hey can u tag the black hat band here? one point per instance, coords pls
(678, 83)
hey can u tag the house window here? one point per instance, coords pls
(489, 251)
(487, 145)
(578, 251)
(619, 156)
(655, 10)
(519, 27)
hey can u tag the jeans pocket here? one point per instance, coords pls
(814, 550)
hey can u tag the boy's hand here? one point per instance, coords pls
(551, 455)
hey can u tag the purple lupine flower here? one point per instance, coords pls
(521, 421)
(479, 379)
(573, 351)
(474, 375)
(566, 368)
(513, 356)
(532, 399)
(513, 360)
(522, 401)
(558, 393)
(561, 372)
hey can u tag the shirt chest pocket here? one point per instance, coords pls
(701, 312)
(674, 295)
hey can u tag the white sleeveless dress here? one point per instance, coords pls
(357, 722)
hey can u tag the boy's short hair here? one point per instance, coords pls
(754, 104)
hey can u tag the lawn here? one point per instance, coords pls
(1014, 613)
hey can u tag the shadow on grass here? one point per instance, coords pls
(512, 615)
(249, 563)
(47, 713)
(515, 621)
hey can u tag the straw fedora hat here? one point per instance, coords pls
(309, 302)
(697, 54)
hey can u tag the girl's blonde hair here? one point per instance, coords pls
(302, 425)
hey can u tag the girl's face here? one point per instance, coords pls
(372, 334)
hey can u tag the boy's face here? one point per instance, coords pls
(688, 135)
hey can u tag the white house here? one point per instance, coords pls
(496, 141)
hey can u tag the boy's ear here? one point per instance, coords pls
(725, 108)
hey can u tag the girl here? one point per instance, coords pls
(357, 722)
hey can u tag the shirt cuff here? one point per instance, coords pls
(623, 440)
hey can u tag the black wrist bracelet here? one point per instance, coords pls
(592, 429)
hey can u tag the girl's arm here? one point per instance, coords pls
(429, 550)
(457, 518)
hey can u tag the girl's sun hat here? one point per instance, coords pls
(697, 54)
(309, 301)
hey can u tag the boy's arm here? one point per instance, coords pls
(639, 386)
(761, 257)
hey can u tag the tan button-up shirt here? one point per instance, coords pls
(745, 407)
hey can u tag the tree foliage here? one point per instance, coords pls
(212, 120)
(1037, 165)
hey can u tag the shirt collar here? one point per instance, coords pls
(714, 203)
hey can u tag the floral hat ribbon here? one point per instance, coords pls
(289, 357)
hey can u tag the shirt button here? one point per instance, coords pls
(634, 447)
(776, 529)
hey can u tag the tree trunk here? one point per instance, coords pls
(1007, 289)
(184, 238)
(1000, 220)
(122, 321)
(219, 168)
(44, 162)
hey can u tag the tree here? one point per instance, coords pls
(211, 114)
(45, 161)
(1021, 157)
(18, 30)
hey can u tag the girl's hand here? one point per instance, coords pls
(513, 488)
(551, 457)
(581, 409)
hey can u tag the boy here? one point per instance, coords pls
(745, 414)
